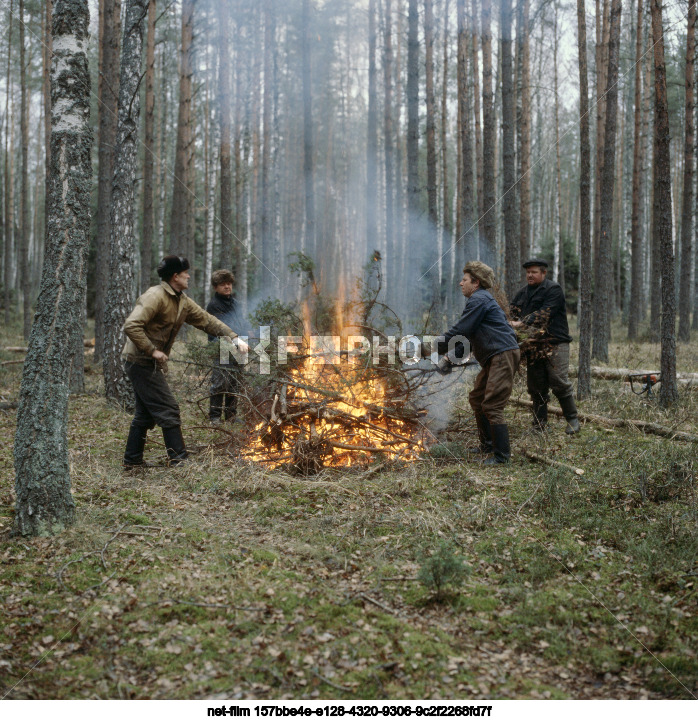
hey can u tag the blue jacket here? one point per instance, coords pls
(484, 324)
(224, 309)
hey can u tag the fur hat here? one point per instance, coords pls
(170, 265)
(480, 271)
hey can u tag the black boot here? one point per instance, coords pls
(133, 455)
(500, 441)
(484, 433)
(215, 407)
(174, 443)
(569, 410)
(231, 406)
(540, 417)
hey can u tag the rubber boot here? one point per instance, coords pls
(174, 443)
(540, 417)
(500, 441)
(215, 407)
(569, 410)
(484, 433)
(133, 455)
(231, 405)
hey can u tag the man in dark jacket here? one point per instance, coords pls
(151, 330)
(541, 304)
(224, 378)
(494, 345)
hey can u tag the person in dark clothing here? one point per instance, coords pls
(151, 330)
(541, 304)
(494, 345)
(224, 377)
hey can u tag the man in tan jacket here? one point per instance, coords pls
(151, 330)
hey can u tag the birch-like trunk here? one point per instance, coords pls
(122, 247)
(44, 503)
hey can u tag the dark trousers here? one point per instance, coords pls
(493, 386)
(155, 403)
(224, 386)
(550, 374)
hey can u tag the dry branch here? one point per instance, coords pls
(550, 462)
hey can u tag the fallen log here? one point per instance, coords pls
(644, 426)
(623, 374)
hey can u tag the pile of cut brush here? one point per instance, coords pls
(318, 412)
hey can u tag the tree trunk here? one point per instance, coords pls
(524, 130)
(413, 117)
(466, 244)
(122, 257)
(668, 392)
(430, 119)
(602, 30)
(388, 147)
(224, 44)
(637, 263)
(372, 138)
(44, 503)
(8, 209)
(687, 219)
(308, 172)
(266, 195)
(475, 63)
(149, 153)
(512, 238)
(24, 232)
(46, 88)
(604, 262)
(183, 191)
(559, 260)
(584, 377)
(108, 91)
(489, 213)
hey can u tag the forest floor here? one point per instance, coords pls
(221, 579)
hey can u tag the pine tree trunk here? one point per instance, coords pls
(687, 219)
(637, 263)
(602, 30)
(108, 92)
(412, 92)
(668, 392)
(46, 89)
(512, 238)
(24, 230)
(604, 262)
(182, 195)
(372, 134)
(267, 215)
(445, 190)
(44, 503)
(489, 213)
(149, 152)
(308, 172)
(224, 110)
(7, 185)
(524, 130)
(122, 257)
(388, 148)
(584, 375)
(475, 70)
(432, 207)
(466, 244)
(559, 261)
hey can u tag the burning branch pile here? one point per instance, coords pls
(325, 414)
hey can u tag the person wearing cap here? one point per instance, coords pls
(151, 329)
(494, 345)
(541, 304)
(224, 378)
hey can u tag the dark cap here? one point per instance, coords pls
(535, 261)
(170, 265)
